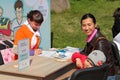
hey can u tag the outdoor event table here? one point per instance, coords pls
(41, 68)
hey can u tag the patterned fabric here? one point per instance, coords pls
(7, 53)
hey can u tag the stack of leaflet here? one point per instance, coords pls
(64, 53)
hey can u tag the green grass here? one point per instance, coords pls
(66, 26)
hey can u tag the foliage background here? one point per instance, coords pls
(66, 27)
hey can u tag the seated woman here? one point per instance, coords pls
(96, 40)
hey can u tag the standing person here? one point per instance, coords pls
(30, 30)
(96, 40)
(116, 28)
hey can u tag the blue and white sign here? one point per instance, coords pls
(23, 54)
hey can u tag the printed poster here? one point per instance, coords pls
(13, 14)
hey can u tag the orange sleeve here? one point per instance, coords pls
(19, 35)
(24, 32)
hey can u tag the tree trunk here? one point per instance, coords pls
(59, 5)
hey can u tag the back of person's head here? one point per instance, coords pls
(97, 56)
(35, 15)
(116, 13)
(88, 15)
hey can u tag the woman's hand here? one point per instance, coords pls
(37, 51)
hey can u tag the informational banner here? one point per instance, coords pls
(23, 54)
(13, 14)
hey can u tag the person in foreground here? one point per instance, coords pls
(30, 30)
(116, 28)
(95, 58)
(96, 40)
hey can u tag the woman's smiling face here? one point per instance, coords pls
(88, 26)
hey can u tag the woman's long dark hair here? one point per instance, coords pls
(116, 26)
(88, 15)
